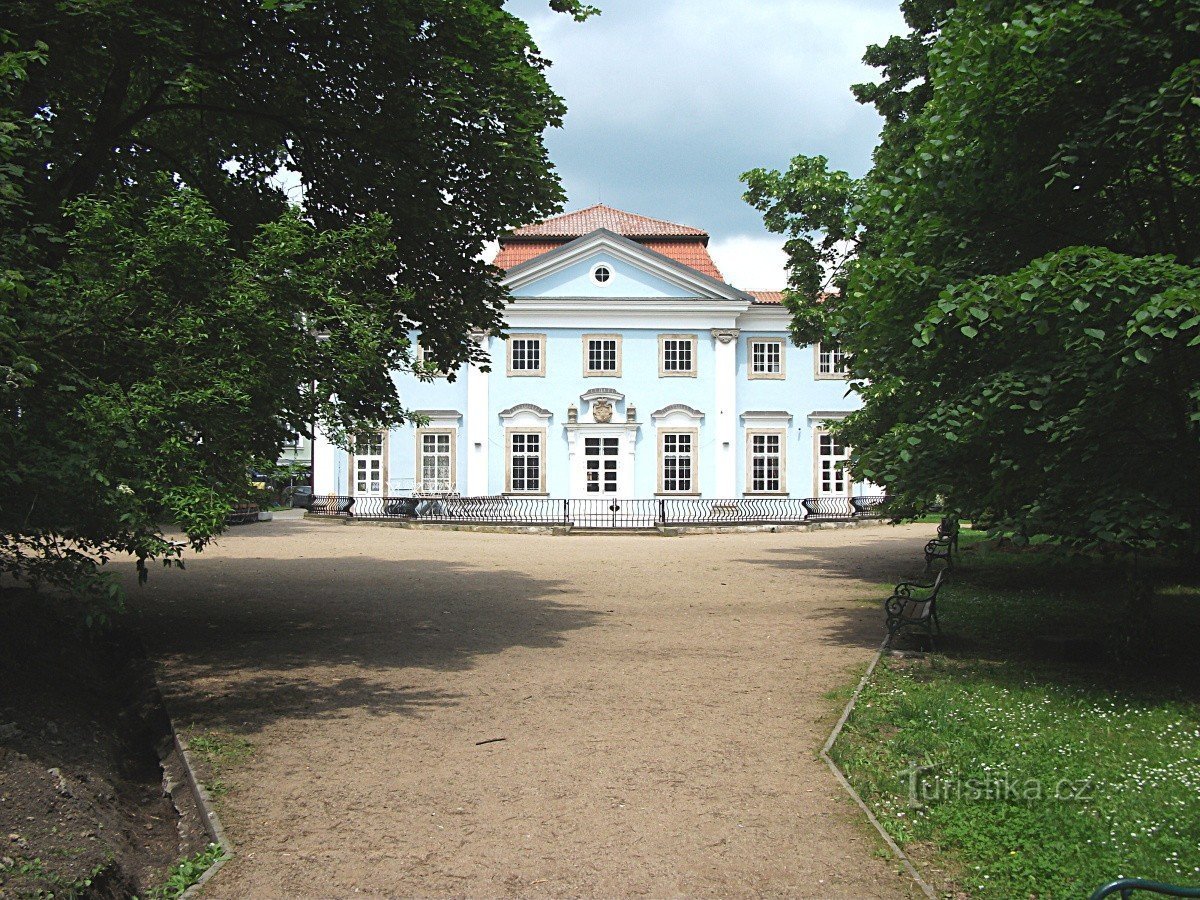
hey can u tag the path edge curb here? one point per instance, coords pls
(208, 815)
(849, 788)
(209, 820)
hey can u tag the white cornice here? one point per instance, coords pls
(652, 313)
(758, 316)
(636, 306)
(443, 416)
(766, 415)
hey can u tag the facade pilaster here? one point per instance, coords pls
(725, 365)
(477, 426)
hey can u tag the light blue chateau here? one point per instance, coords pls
(630, 369)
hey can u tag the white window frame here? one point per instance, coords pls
(605, 282)
(753, 356)
(355, 456)
(780, 434)
(693, 347)
(823, 437)
(691, 454)
(830, 361)
(510, 458)
(449, 484)
(538, 340)
(588, 371)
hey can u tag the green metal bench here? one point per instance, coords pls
(1126, 886)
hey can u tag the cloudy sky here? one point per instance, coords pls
(671, 100)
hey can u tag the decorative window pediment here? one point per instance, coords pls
(526, 412)
(766, 418)
(677, 411)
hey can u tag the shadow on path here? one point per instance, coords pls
(248, 641)
(899, 558)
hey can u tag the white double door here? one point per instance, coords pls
(367, 466)
(601, 466)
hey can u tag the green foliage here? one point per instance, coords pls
(220, 752)
(807, 198)
(166, 315)
(1022, 298)
(33, 881)
(186, 873)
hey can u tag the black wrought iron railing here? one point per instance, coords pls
(601, 512)
(740, 511)
(868, 507)
(612, 512)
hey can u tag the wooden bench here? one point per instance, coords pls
(945, 545)
(913, 606)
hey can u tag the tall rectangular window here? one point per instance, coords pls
(602, 354)
(831, 361)
(676, 354)
(677, 456)
(368, 464)
(766, 359)
(525, 469)
(832, 479)
(765, 452)
(436, 463)
(527, 354)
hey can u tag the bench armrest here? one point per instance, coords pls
(914, 584)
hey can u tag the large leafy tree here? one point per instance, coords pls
(167, 311)
(1017, 279)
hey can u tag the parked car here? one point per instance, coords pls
(302, 496)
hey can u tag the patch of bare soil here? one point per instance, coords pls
(83, 812)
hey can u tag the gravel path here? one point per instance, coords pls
(654, 707)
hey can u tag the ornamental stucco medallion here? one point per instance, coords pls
(602, 411)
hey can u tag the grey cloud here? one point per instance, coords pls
(670, 100)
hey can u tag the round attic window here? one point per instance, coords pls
(601, 274)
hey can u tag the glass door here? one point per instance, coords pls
(832, 479)
(600, 455)
(368, 465)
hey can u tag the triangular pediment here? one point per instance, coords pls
(638, 272)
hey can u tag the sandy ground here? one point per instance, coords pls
(661, 702)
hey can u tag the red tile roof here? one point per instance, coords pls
(691, 253)
(681, 243)
(773, 297)
(514, 253)
(585, 221)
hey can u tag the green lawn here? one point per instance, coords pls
(1055, 754)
